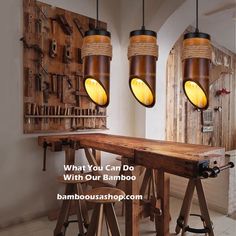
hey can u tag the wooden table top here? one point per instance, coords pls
(151, 153)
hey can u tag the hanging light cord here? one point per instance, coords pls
(97, 16)
(143, 27)
(197, 30)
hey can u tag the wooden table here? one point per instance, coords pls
(180, 159)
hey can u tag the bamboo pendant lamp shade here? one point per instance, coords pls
(197, 53)
(196, 68)
(142, 55)
(97, 54)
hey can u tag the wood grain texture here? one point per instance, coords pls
(184, 123)
(177, 158)
(54, 95)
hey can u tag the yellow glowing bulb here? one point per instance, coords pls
(195, 94)
(95, 91)
(142, 92)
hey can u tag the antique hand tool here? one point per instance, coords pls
(80, 60)
(35, 47)
(76, 93)
(73, 123)
(69, 82)
(46, 113)
(53, 83)
(79, 120)
(60, 87)
(75, 114)
(53, 112)
(53, 48)
(38, 82)
(67, 29)
(37, 120)
(67, 54)
(66, 113)
(46, 91)
(50, 113)
(59, 112)
(42, 19)
(79, 26)
(41, 110)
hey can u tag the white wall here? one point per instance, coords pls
(26, 191)
(168, 34)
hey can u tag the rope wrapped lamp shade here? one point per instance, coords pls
(142, 55)
(96, 55)
(196, 58)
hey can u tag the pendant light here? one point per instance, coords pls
(197, 53)
(142, 55)
(96, 55)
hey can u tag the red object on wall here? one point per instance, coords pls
(222, 91)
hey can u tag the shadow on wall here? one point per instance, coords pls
(21, 191)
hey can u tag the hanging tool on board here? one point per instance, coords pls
(67, 54)
(53, 83)
(69, 82)
(35, 47)
(79, 26)
(46, 91)
(53, 48)
(76, 93)
(38, 82)
(80, 60)
(59, 86)
(67, 29)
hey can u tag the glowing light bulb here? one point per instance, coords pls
(95, 91)
(141, 91)
(195, 94)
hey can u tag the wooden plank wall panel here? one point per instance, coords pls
(184, 123)
(72, 110)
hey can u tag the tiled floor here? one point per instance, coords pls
(223, 225)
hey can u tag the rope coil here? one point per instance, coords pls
(146, 49)
(97, 49)
(197, 51)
